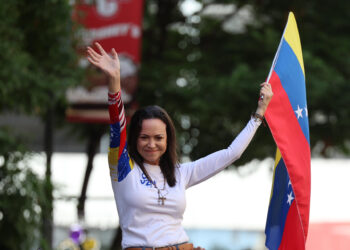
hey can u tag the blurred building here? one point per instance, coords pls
(31, 131)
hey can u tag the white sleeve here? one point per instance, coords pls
(206, 167)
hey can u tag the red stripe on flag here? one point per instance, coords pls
(293, 237)
(113, 113)
(293, 145)
(122, 142)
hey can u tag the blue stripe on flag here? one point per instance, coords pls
(289, 69)
(279, 207)
(123, 164)
(114, 138)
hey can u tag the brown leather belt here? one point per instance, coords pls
(184, 246)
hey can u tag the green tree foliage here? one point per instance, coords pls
(206, 70)
(38, 63)
(21, 197)
(38, 58)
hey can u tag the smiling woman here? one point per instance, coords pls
(152, 140)
(148, 182)
(151, 143)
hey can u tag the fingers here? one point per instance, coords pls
(93, 54)
(265, 91)
(103, 52)
(91, 60)
(265, 85)
(91, 51)
(114, 53)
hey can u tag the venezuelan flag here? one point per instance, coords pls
(287, 116)
(120, 163)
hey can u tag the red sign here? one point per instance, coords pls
(114, 24)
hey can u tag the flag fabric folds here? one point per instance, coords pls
(287, 116)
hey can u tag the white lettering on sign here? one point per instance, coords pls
(135, 31)
(115, 30)
(106, 8)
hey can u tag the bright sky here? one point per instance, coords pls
(188, 7)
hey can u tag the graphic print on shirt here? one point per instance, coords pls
(120, 163)
(144, 181)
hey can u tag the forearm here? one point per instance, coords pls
(116, 110)
(210, 165)
(118, 157)
(117, 119)
(114, 84)
(241, 142)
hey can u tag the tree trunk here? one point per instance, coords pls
(95, 134)
(164, 16)
(117, 241)
(47, 222)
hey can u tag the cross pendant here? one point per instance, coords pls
(161, 200)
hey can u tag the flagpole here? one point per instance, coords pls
(277, 54)
(274, 59)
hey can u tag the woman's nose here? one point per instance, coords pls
(151, 143)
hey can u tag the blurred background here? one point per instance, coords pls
(203, 61)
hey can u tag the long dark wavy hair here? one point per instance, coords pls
(169, 159)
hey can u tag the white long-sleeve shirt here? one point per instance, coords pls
(144, 221)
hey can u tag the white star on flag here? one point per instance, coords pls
(306, 112)
(289, 183)
(290, 198)
(299, 112)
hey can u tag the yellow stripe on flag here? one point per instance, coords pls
(277, 160)
(113, 156)
(291, 35)
(278, 157)
(131, 163)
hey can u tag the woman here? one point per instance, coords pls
(148, 182)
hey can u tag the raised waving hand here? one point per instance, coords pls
(108, 64)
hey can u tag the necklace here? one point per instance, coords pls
(161, 195)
